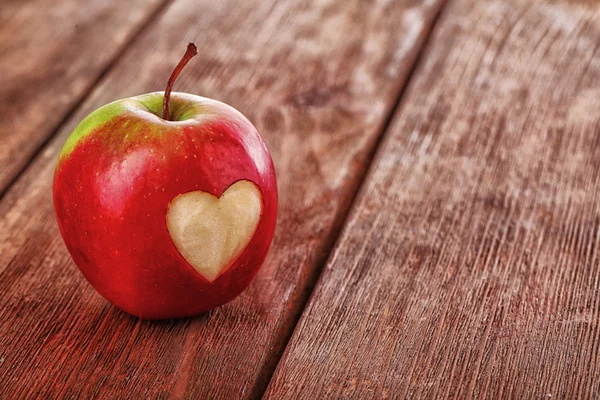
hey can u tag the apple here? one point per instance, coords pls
(166, 202)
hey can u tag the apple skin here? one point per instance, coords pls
(114, 180)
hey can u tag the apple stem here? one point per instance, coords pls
(189, 53)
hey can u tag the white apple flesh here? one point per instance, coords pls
(209, 232)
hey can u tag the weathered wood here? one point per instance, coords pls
(469, 265)
(318, 79)
(51, 53)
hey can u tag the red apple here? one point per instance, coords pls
(167, 204)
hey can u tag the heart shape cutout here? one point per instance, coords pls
(210, 232)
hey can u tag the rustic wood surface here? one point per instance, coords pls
(51, 54)
(319, 79)
(469, 265)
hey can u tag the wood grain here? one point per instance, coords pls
(319, 79)
(51, 53)
(469, 266)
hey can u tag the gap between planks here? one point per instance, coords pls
(259, 390)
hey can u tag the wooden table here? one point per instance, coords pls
(439, 179)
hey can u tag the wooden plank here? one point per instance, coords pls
(51, 53)
(319, 79)
(469, 265)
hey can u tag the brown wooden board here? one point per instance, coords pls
(51, 54)
(319, 79)
(469, 265)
